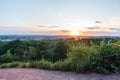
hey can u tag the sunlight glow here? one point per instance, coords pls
(75, 33)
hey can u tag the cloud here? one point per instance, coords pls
(49, 26)
(102, 28)
(41, 26)
(64, 30)
(98, 22)
(112, 28)
(95, 27)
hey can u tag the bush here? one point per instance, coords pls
(107, 60)
(81, 56)
(8, 57)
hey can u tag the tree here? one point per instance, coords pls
(31, 54)
(1, 47)
(8, 57)
(60, 50)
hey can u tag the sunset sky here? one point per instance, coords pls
(60, 17)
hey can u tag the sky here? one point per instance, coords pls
(60, 17)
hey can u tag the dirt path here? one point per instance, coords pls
(39, 74)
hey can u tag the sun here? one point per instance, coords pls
(75, 33)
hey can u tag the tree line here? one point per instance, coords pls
(100, 55)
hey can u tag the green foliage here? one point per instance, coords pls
(8, 57)
(107, 60)
(41, 64)
(62, 65)
(21, 65)
(85, 55)
(9, 65)
(60, 50)
(80, 57)
(31, 54)
(1, 47)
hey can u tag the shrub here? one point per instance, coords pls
(8, 57)
(107, 60)
(80, 56)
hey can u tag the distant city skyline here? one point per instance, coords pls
(60, 17)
